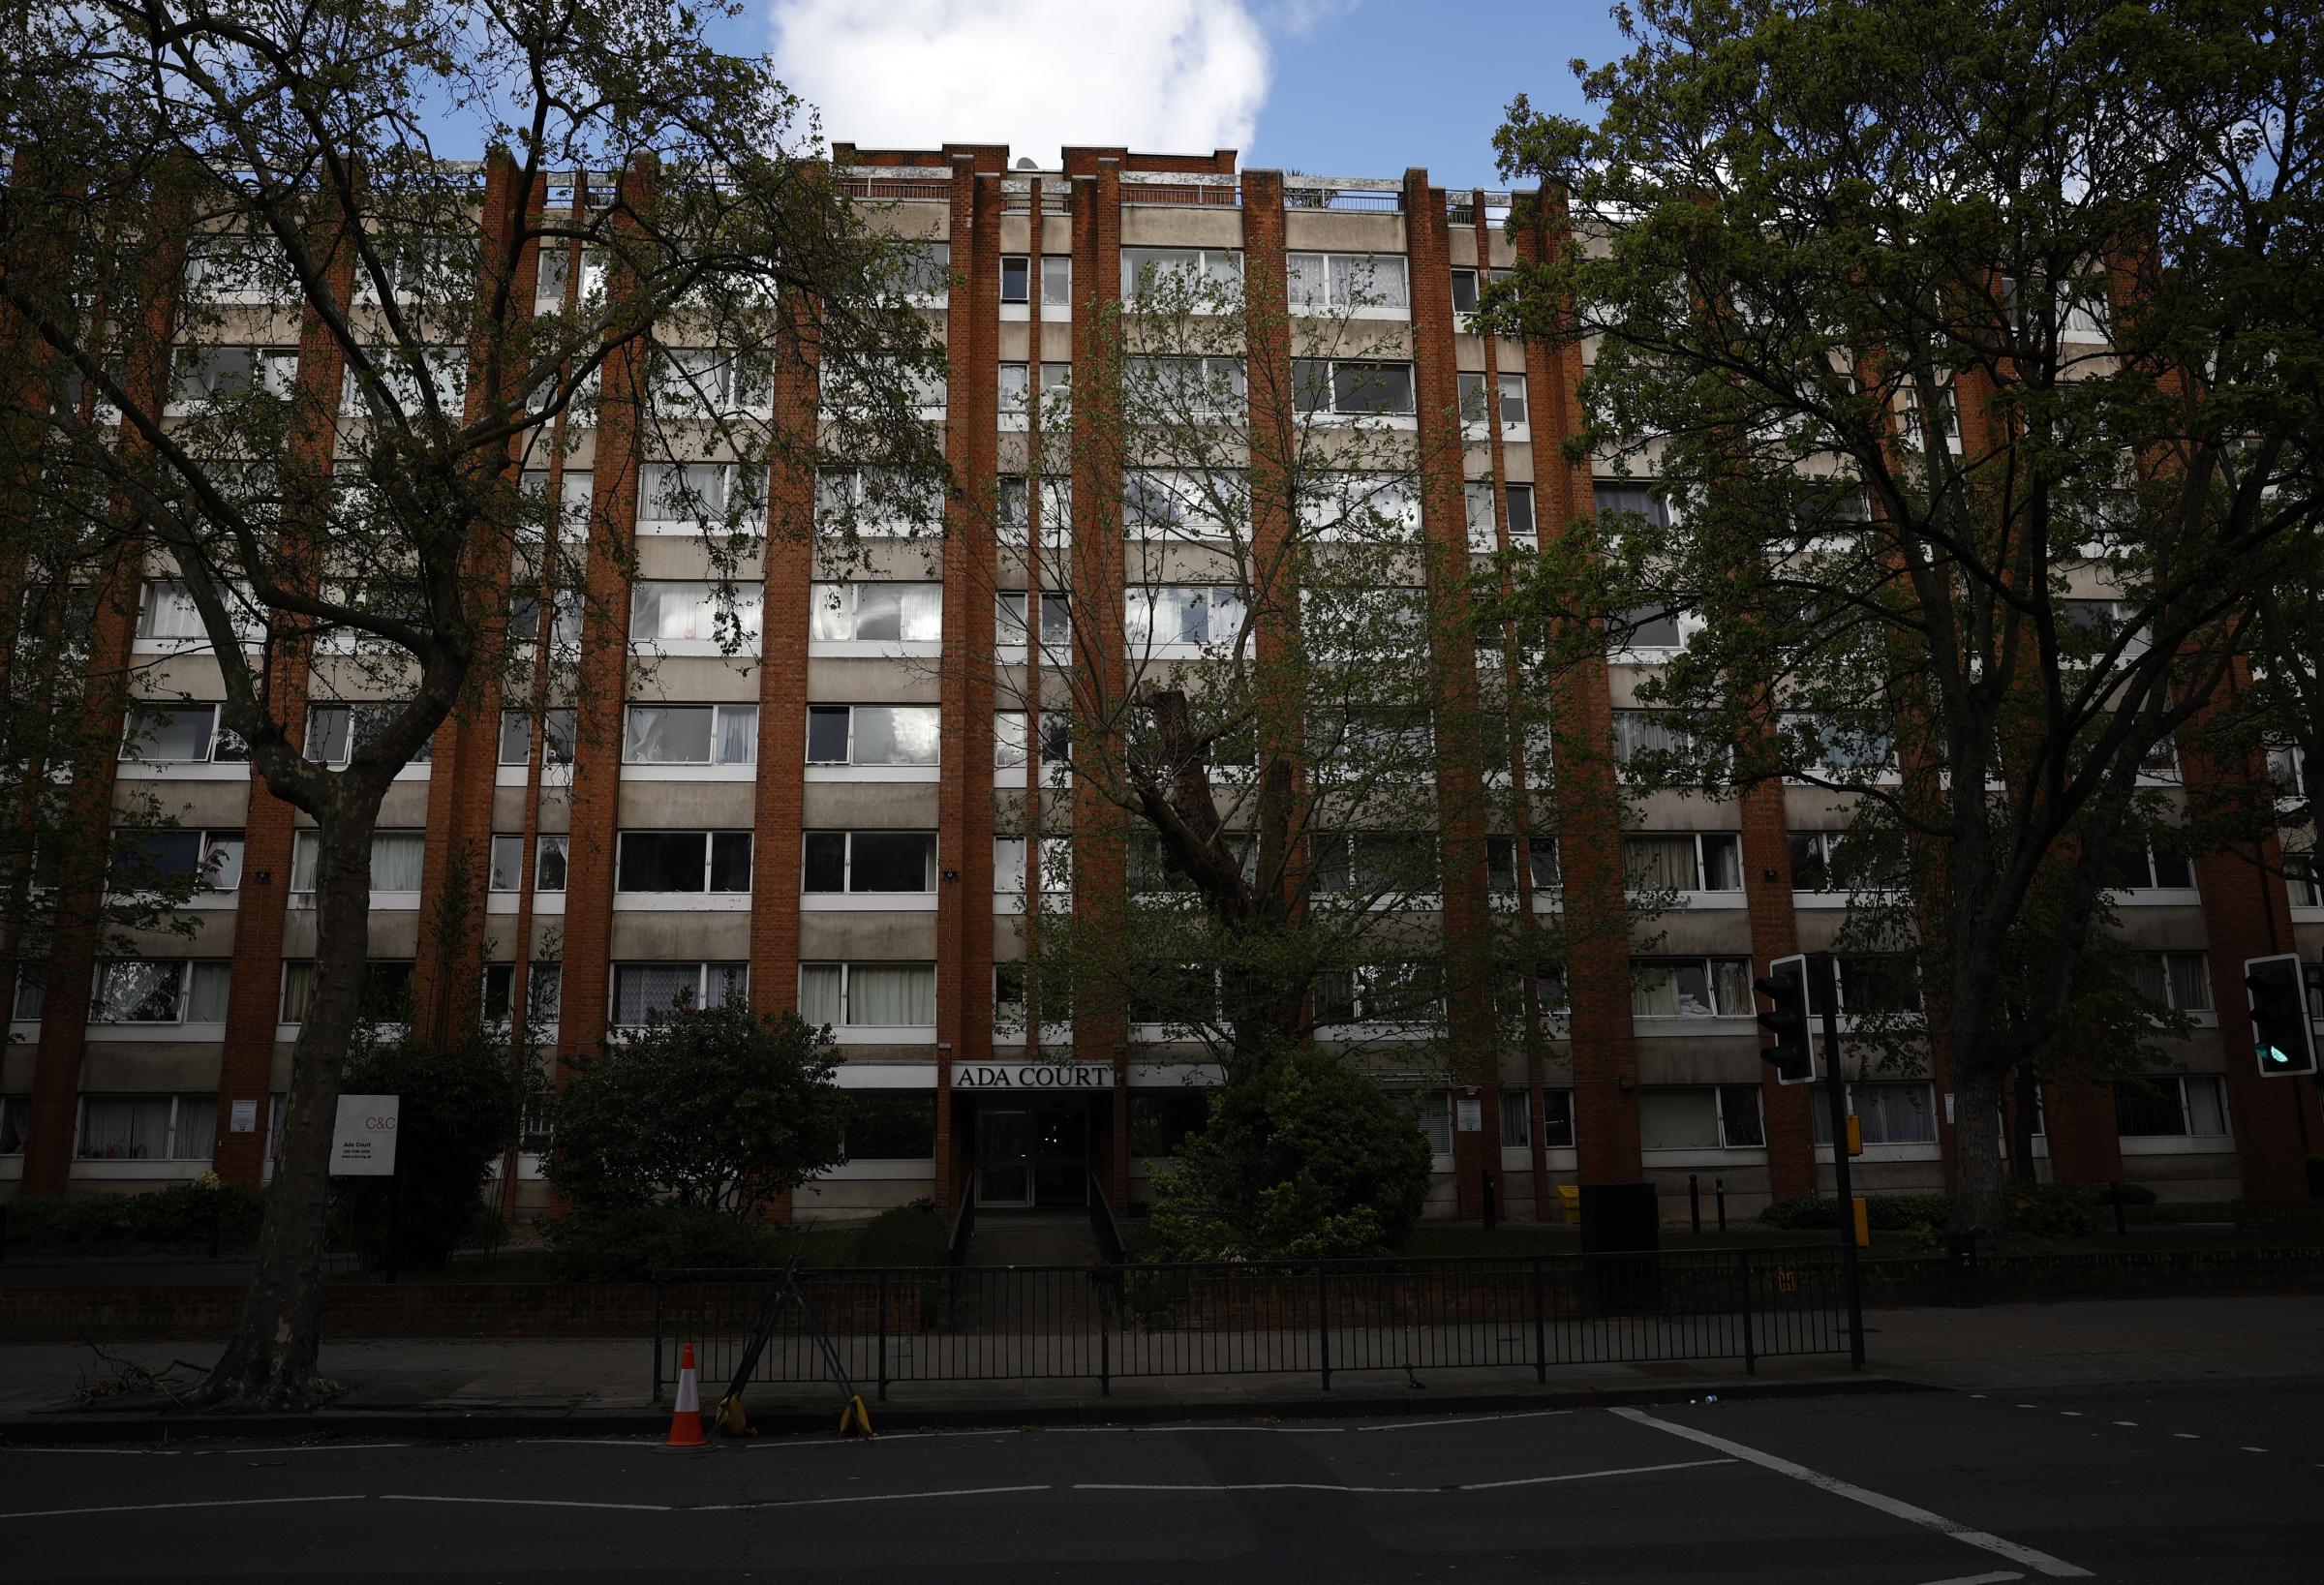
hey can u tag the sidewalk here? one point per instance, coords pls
(600, 1387)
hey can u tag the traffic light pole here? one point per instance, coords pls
(1823, 975)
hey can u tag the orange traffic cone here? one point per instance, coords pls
(686, 1423)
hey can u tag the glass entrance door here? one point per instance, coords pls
(1004, 1156)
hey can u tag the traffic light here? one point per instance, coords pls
(2281, 1035)
(1794, 1053)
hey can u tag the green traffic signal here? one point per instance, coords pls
(2283, 1037)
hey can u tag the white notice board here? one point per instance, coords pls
(363, 1142)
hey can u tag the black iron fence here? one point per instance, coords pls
(1098, 1323)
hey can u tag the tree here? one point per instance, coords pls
(1300, 790)
(458, 1108)
(649, 252)
(1957, 335)
(717, 1108)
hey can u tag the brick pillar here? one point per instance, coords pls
(964, 793)
(1468, 933)
(2078, 1117)
(464, 771)
(1589, 815)
(603, 683)
(80, 892)
(1100, 1021)
(254, 997)
(1775, 933)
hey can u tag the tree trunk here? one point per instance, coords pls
(269, 1362)
(2021, 1127)
(1980, 1197)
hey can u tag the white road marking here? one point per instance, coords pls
(216, 1452)
(1592, 1475)
(1997, 1577)
(880, 1497)
(1473, 1420)
(2071, 1413)
(157, 1508)
(524, 1502)
(2041, 1561)
(2187, 1436)
(2255, 1450)
(2134, 1424)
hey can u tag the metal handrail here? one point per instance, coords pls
(1110, 1250)
(963, 1228)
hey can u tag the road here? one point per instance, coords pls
(2205, 1482)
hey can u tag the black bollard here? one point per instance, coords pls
(1719, 1196)
(1695, 1203)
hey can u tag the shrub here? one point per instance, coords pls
(631, 1244)
(912, 1234)
(179, 1214)
(2125, 1194)
(1886, 1212)
(1309, 1159)
(2055, 1210)
(458, 1110)
(716, 1107)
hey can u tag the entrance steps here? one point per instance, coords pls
(1032, 1237)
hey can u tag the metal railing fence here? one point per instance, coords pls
(1099, 1322)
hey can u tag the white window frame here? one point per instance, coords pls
(1056, 865)
(1697, 894)
(846, 1032)
(1726, 1149)
(715, 768)
(1224, 605)
(169, 1162)
(712, 614)
(654, 500)
(842, 495)
(217, 971)
(850, 769)
(1706, 961)
(1330, 412)
(836, 603)
(306, 853)
(738, 971)
(1343, 275)
(1218, 265)
(847, 898)
(701, 897)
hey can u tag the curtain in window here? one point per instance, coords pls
(1658, 864)
(396, 857)
(298, 990)
(2206, 1107)
(738, 735)
(643, 991)
(891, 995)
(2190, 984)
(819, 995)
(668, 735)
(196, 1135)
(303, 850)
(125, 1128)
(1731, 986)
(1516, 1115)
(726, 984)
(138, 992)
(1896, 1115)
(170, 613)
(1435, 1110)
(1677, 1119)
(205, 1002)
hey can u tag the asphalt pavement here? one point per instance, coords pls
(2204, 1481)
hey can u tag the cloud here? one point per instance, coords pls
(1174, 75)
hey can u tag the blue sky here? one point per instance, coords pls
(1332, 87)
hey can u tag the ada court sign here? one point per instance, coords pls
(363, 1142)
(1033, 1076)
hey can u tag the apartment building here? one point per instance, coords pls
(837, 821)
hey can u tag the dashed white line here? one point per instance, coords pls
(2071, 1413)
(2041, 1561)
(526, 1502)
(876, 1497)
(157, 1508)
(2187, 1436)
(1258, 1485)
(212, 1453)
(1998, 1577)
(2255, 1450)
(2131, 1423)
(1592, 1475)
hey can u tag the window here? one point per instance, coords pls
(870, 861)
(1708, 1117)
(147, 991)
(149, 1127)
(2176, 980)
(875, 613)
(516, 737)
(1182, 613)
(1162, 503)
(926, 275)
(566, 607)
(1647, 732)
(727, 615)
(1374, 739)
(1466, 284)
(334, 732)
(1163, 388)
(1516, 1120)
(683, 861)
(869, 996)
(1375, 864)
(1351, 387)
(1831, 861)
(1402, 993)
(411, 380)
(1878, 984)
(1016, 278)
(2305, 877)
(1612, 496)
(1694, 988)
(1016, 512)
(549, 857)
(690, 735)
(386, 997)
(645, 993)
(1056, 281)
(15, 1122)
(190, 733)
(1346, 281)
(1947, 415)
(1685, 862)
(1148, 273)
(2170, 1105)
(396, 858)
(1179, 995)
(1017, 396)
(1055, 616)
(1008, 998)
(543, 985)
(2089, 628)
(871, 734)
(1477, 407)
(211, 858)
(2144, 870)
(1433, 1110)
(1840, 747)
(32, 991)
(696, 496)
(890, 1124)
(208, 375)
(1500, 864)
(506, 871)
(1887, 1114)
(1056, 865)
(1477, 501)
(232, 267)
(168, 615)
(1162, 1120)
(878, 502)
(1010, 743)
(1654, 626)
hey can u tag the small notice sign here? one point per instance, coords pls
(1468, 1113)
(243, 1119)
(363, 1141)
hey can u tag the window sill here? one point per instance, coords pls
(146, 1171)
(674, 649)
(689, 773)
(516, 776)
(867, 902)
(1013, 903)
(827, 648)
(874, 772)
(876, 1035)
(1008, 1036)
(2158, 896)
(1729, 1155)
(2179, 1144)
(1703, 901)
(179, 1033)
(1929, 1151)
(885, 1076)
(184, 770)
(691, 903)
(1691, 1023)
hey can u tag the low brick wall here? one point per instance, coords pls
(421, 1309)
